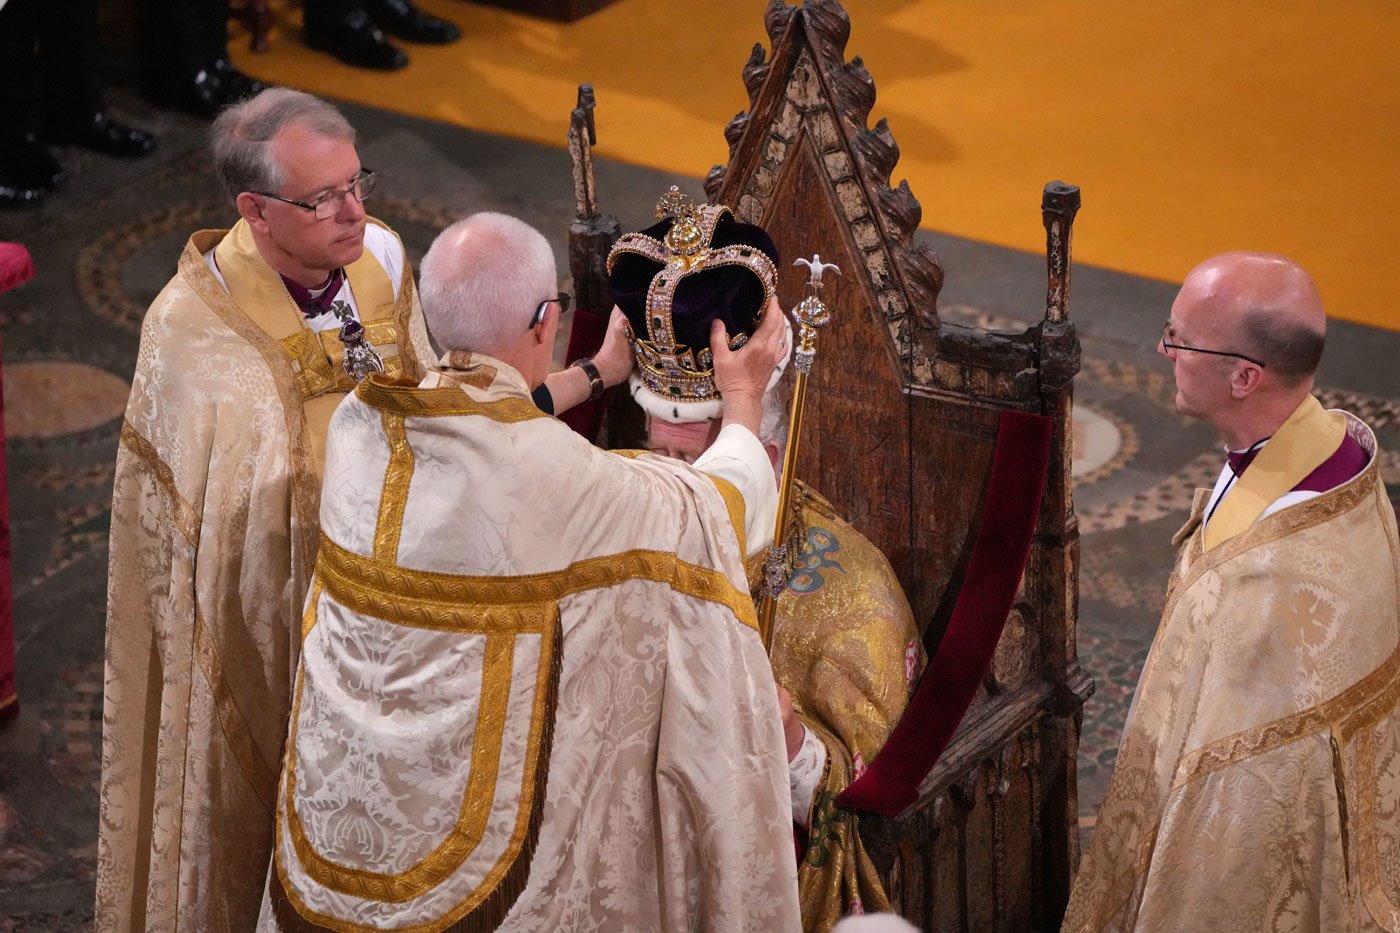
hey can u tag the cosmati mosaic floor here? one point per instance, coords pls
(106, 245)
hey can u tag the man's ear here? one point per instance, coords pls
(773, 454)
(251, 210)
(1245, 380)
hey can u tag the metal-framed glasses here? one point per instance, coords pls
(329, 204)
(1169, 343)
(566, 301)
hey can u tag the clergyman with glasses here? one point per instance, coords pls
(215, 521)
(1257, 780)
(532, 692)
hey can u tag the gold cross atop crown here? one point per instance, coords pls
(685, 239)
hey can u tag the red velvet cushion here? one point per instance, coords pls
(15, 266)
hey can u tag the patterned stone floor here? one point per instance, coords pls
(107, 244)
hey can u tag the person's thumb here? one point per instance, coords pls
(719, 338)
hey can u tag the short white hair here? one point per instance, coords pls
(482, 280)
(875, 923)
(773, 416)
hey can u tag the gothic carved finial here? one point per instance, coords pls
(775, 19)
(854, 87)
(829, 27)
(879, 152)
(755, 71)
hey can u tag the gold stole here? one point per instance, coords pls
(1309, 437)
(317, 359)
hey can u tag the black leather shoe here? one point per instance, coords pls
(18, 195)
(403, 20)
(202, 93)
(100, 133)
(237, 86)
(26, 163)
(356, 41)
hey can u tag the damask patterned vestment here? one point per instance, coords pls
(214, 532)
(1258, 779)
(532, 693)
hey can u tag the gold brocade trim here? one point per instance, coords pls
(465, 368)
(459, 603)
(1373, 894)
(408, 364)
(394, 497)
(303, 479)
(1304, 442)
(461, 841)
(310, 614)
(1267, 530)
(1233, 749)
(260, 775)
(488, 904)
(409, 400)
(187, 520)
(734, 502)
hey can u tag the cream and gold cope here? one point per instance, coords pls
(214, 532)
(539, 705)
(1258, 780)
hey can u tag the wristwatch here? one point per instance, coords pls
(595, 379)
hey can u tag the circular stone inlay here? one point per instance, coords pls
(49, 398)
(1096, 440)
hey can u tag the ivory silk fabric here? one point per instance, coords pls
(214, 532)
(1258, 779)
(532, 693)
(846, 647)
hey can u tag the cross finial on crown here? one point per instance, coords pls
(675, 203)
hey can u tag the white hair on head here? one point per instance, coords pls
(241, 136)
(875, 923)
(482, 279)
(773, 417)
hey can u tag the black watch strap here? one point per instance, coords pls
(595, 379)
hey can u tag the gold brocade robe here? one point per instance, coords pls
(531, 694)
(846, 647)
(214, 532)
(1258, 778)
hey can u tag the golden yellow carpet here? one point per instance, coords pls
(1192, 126)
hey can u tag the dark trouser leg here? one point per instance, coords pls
(27, 169)
(69, 60)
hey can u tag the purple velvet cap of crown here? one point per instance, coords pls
(732, 294)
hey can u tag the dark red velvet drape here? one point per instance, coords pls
(949, 683)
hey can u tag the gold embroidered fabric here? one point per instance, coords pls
(846, 647)
(532, 696)
(214, 533)
(1257, 785)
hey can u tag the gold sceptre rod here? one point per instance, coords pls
(811, 314)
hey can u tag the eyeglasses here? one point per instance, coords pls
(329, 204)
(1168, 344)
(566, 301)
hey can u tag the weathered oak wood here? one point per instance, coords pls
(901, 425)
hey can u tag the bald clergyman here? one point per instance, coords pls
(1258, 780)
(532, 693)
